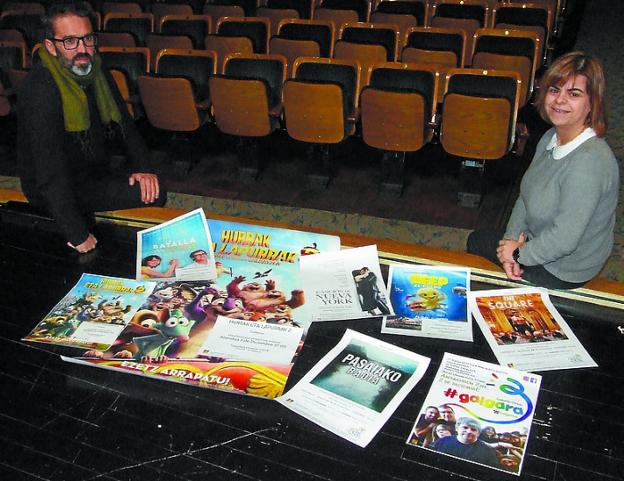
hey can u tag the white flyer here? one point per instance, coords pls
(242, 340)
(356, 386)
(346, 284)
(525, 331)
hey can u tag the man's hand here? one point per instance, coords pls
(88, 245)
(150, 189)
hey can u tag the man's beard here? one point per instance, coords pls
(82, 69)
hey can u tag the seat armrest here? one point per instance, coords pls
(277, 110)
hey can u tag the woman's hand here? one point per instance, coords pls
(506, 248)
(504, 252)
(513, 270)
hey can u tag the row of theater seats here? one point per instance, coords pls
(375, 105)
(542, 16)
(368, 43)
(327, 100)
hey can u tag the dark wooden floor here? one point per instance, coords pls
(65, 422)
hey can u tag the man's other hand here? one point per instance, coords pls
(150, 189)
(88, 245)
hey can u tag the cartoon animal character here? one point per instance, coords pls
(281, 314)
(171, 296)
(222, 305)
(258, 298)
(112, 310)
(57, 327)
(428, 298)
(250, 291)
(197, 309)
(170, 326)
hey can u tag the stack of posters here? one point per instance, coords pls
(525, 331)
(478, 412)
(345, 284)
(355, 387)
(429, 302)
(239, 329)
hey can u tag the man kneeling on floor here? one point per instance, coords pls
(70, 117)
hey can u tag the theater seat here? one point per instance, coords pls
(468, 15)
(403, 13)
(194, 26)
(246, 101)
(138, 24)
(320, 108)
(302, 38)
(508, 50)
(368, 43)
(196, 65)
(478, 123)
(398, 112)
(440, 47)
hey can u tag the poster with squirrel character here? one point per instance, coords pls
(240, 332)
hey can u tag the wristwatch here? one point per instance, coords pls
(516, 254)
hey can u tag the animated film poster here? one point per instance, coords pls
(429, 301)
(239, 333)
(179, 249)
(346, 285)
(259, 270)
(525, 331)
(478, 412)
(354, 389)
(93, 313)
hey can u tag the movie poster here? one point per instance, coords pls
(355, 387)
(429, 301)
(345, 285)
(478, 412)
(240, 332)
(525, 331)
(260, 268)
(93, 313)
(179, 249)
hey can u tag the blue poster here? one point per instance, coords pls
(429, 301)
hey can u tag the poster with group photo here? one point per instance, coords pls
(346, 284)
(179, 249)
(478, 412)
(525, 331)
(355, 387)
(429, 301)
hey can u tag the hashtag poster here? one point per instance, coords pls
(478, 412)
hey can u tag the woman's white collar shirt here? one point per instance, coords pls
(560, 151)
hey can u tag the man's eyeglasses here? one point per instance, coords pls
(71, 43)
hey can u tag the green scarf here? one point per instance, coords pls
(74, 98)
